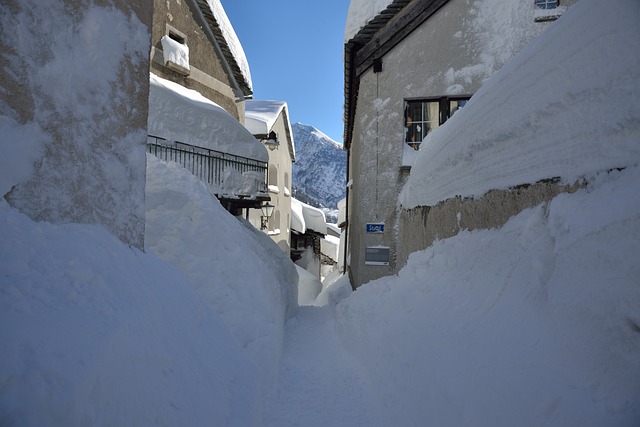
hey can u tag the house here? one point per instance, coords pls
(73, 112)
(330, 247)
(408, 68)
(200, 79)
(308, 229)
(269, 122)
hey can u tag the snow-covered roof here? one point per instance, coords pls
(180, 114)
(556, 110)
(261, 115)
(230, 45)
(330, 246)
(360, 13)
(333, 229)
(305, 217)
(342, 211)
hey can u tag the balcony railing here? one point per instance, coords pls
(229, 175)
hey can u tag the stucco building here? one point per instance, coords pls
(269, 122)
(200, 79)
(407, 70)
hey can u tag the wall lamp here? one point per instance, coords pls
(271, 140)
(267, 211)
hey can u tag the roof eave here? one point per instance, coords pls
(373, 41)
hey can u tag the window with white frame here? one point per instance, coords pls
(547, 10)
(424, 115)
(547, 4)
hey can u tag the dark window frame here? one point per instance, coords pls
(444, 113)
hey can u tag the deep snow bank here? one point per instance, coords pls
(94, 332)
(536, 323)
(567, 106)
(235, 268)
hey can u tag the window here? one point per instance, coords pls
(546, 4)
(273, 175)
(422, 116)
(547, 10)
(376, 255)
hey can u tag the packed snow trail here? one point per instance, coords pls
(320, 383)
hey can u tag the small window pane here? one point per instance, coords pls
(546, 4)
(456, 105)
(420, 118)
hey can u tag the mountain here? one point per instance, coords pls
(319, 172)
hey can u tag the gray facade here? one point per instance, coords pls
(76, 91)
(422, 51)
(211, 72)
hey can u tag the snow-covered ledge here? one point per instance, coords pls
(274, 189)
(287, 193)
(176, 55)
(540, 14)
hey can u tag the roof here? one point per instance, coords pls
(373, 41)
(224, 34)
(260, 117)
(307, 218)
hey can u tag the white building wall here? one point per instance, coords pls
(280, 159)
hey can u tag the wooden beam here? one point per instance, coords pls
(396, 30)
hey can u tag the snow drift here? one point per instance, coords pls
(545, 114)
(537, 323)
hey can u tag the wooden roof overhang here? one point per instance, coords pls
(373, 41)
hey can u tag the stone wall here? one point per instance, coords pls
(423, 225)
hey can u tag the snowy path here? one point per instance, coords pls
(320, 383)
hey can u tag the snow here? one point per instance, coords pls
(232, 39)
(333, 229)
(96, 333)
(342, 211)
(329, 246)
(180, 114)
(544, 14)
(535, 323)
(309, 286)
(183, 222)
(360, 13)
(260, 116)
(273, 189)
(545, 114)
(175, 52)
(305, 217)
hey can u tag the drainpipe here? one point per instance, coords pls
(346, 219)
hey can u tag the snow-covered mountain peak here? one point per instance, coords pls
(305, 130)
(319, 172)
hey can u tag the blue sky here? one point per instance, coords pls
(294, 49)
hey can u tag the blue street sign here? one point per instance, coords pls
(375, 228)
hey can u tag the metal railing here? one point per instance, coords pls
(211, 166)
